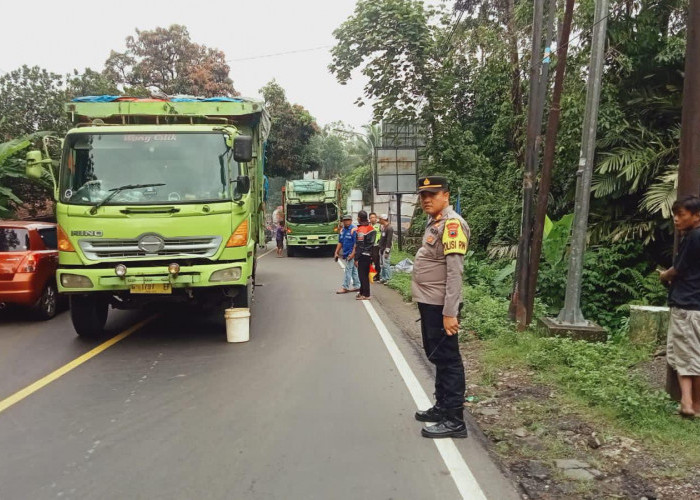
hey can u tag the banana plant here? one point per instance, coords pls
(13, 167)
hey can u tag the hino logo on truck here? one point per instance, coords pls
(96, 234)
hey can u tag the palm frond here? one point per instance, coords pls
(661, 194)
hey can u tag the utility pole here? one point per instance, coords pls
(689, 166)
(689, 163)
(548, 157)
(534, 126)
(571, 313)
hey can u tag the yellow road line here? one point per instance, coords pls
(51, 377)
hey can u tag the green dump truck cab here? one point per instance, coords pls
(311, 213)
(159, 201)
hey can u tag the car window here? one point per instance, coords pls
(49, 237)
(14, 239)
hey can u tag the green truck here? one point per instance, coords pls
(311, 213)
(158, 201)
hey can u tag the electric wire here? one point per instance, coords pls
(263, 56)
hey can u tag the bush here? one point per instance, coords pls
(614, 275)
(600, 374)
(483, 314)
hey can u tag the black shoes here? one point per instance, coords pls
(434, 414)
(451, 426)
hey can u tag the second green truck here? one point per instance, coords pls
(311, 213)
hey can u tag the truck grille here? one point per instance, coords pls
(185, 246)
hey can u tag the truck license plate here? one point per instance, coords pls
(151, 288)
(314, 237)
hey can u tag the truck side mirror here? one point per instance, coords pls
(243, 148)
(242, 184)
(34, 168)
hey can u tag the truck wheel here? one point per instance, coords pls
(245, 297)
(290, 251)
(89, 315)
(45, 307)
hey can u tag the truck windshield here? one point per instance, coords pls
(312, 213)
(191, 166)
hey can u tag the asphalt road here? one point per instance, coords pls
(313, 407)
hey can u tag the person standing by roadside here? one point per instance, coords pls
(683, 340)
(385, 241)
(437, 288)
(376, 255)
(366, 237)
(346, 249)
(280, 235)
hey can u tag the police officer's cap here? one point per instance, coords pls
(347, 217)
(433, 183)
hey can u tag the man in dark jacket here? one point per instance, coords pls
(366, 236)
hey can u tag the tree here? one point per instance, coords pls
(393, 42)
(288, 152)
(89, 82)
(31, 99)
(165, 60)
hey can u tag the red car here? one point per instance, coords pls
(28, 262)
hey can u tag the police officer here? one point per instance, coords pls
(437, 288)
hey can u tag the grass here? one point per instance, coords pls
(595, 379)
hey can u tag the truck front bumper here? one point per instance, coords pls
(312, 240)
(104, 279)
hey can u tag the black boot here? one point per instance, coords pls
(452, 425)
(434, 414)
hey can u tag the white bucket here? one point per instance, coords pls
(237, 324)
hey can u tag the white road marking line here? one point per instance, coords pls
(459, 470)
(263, 255)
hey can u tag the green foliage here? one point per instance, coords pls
(484, 314)
(358, 178)
(31, 99)
(289, 153)
(391, 42)
(91, 82)
(401, 282)
(614, 275)
(600, 374)
(12, 175)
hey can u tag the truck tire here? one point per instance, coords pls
(245, 297)
(290, 251)
(45, 308)
(89, 315)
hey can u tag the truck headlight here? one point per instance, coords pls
(228, 274)
(75, 281)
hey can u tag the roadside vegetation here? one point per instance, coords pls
(601, 386)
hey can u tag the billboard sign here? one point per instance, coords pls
(396, 170)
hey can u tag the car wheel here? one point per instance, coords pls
(46, 306)
(89, 315)
(290, 251)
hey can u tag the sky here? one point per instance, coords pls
(75, 34)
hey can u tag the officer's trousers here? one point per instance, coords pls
(443, 351)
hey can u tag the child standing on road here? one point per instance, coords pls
(683, 341)
(279, 236)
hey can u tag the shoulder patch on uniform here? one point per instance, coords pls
(454, 240)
